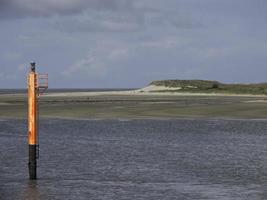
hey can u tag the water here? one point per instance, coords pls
(138, 159)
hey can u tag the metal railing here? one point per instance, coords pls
(42, 83)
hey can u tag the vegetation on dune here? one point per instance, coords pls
(204, 86)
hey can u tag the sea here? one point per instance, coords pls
(141, 159)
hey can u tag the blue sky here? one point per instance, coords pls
(129, 43)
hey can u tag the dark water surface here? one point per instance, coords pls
(138, 159)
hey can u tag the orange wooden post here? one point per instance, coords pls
(33, 124)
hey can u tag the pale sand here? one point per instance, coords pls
(154, 88)
(256, 101)
(149, 90)
(4, 104)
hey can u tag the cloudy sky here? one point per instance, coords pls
(129, 43)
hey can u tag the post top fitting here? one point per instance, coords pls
(32, 66)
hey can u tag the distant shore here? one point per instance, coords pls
(136, 104)
(179, 88)
(208, 86)
(148, 93)
(160, 88)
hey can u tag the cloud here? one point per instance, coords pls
(41, 8)
(7, 77)
(113, 55)
(98, 15)
(87, 66)
(22, 67)
(112, 42)
(98, 61)
(167, 42)
(96, 21)
(110, 54)
(12, 56)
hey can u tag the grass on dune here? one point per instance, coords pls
(203, 86)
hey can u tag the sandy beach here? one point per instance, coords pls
(150, 90)
(135, 104)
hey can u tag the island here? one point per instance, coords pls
(160, 99)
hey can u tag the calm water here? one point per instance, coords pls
(139, 159)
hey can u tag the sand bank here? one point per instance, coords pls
(155, 91)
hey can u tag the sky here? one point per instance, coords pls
(129, 43)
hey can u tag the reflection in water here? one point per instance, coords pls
(32, 191)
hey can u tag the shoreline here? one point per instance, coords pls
(204, 118)
(127, 105)
(137, 92)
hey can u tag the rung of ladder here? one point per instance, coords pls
(42, 80)
(42, 83)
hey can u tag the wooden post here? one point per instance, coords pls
(33, 91)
